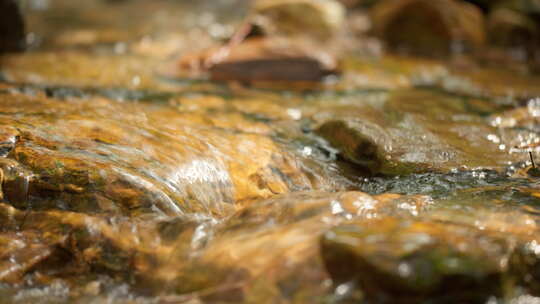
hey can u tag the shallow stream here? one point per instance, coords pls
(397, 182)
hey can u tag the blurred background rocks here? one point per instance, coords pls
(12, 34)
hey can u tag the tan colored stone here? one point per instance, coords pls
(429, 28)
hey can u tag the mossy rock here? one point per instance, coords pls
(411, 261)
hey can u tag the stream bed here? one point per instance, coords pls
(403, 180)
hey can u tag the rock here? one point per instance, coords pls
(263, 59)
(320, 19)
(121, 186)
(521, 117)
(520, 130)
(258, 254)
(392, 137)
(12, 32)
(428, 28)
(411, 261)
(85, 244)
(82, 159)
(508, 28)
(466, 247)
(484, 5)
(269, 47)
(513, 32)
(514, 38)
(269, 244)
(268, 59)
(400, 72)
(350, 3)
(22, 252)
(483, 210)
(355, 4)
(525, 6)
(201, 257)
(79, 69)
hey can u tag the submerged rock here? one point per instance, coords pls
(521, 127)
(256, 255)
(410, 261)
(391, 137)
(469, 246)
(22, 252)
(96, 155)
(270, 247)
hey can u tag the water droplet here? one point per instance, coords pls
(307, 151)
(343, 289)
(295, 114)
(404, 270)
(136, 81)
(534, 107)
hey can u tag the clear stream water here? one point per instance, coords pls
(124, 184)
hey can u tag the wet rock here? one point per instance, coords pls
(22, 252)
(510, 29)
(274, 60)
(12, 32)
(476, 237)
(349, 3)
(358, 4)
(263, 60)
(518, 227)
(389, 137)
(79, 69)
(256, 255)
(98, 155)
(410, 261)
(15, 181)
(514, 38)
(429, 28)
(526, 117)
(269, 244)
(412, 248)
(82, 246)
(521, 126)
(320, 19)
(497, 82)
(526, 6)
(268, 47)
(514, 32)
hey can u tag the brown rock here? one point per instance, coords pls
(265, 59)
(428, 28)
(392, 137)
(411, 261)
(514, 38)
(12, 32)
(256, 255)
(274, 60)
(97, 155)
(284, 40)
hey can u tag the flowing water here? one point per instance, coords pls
(398, 181)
